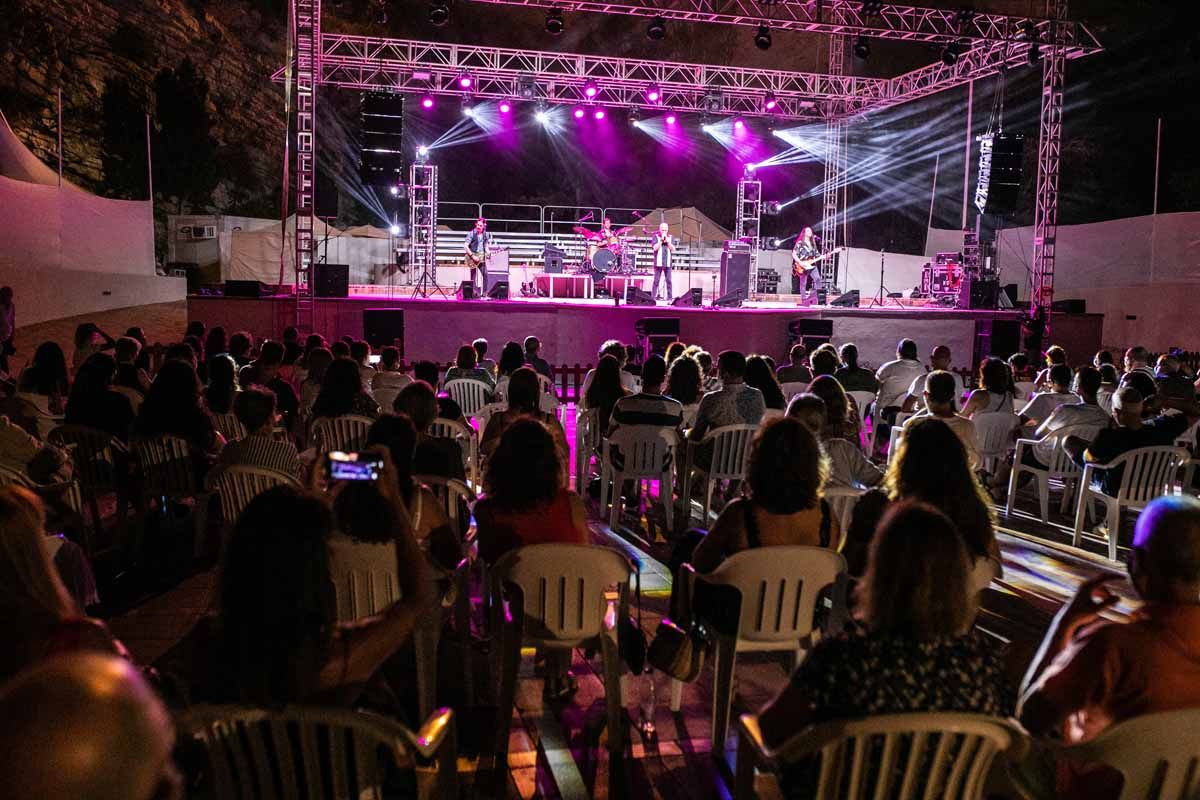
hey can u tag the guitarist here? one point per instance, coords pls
(805, 273)
(477, 246)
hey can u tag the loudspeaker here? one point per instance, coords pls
(732, 300)
(383, 327)
(1004, 179)
(553, 260)
(735, 273)
(1010, 291)
(381, 155)
(657, 326)
(848, 300)
(1073, 306)
(638, 297)
(493, 280)
(810, 332)
(998, 338)
(976, 293)
(692, 297)
(499, 289)
(331, 280)
(246, 289)
(466, 291)
(325, 196)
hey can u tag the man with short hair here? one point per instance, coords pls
(734, 404)
(896, 376)
(824, 361)
(389, 376)
(1172, 382)
(533, 349)
(481, 360)
(129, 375)
(265, 371)
(649, 406)
(428, 372)
(1091, 673)
(939, 359)
(433, 455)
(940, 404)
(360, 352)
(1137, 359)
(1040, 406)
(794, 371)
(255, 408)
(477, 246)
(1086, 412)
(848, 467)
(240, 345)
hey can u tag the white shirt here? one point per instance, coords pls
(390, 380)
(1061, 417)
(894, 379)
(628, 382)
(917, 389)
(1043, 404)
(963, 428)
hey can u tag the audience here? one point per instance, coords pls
(1137, 360)
(734, 404)
(512, 358)
(264, 371)
(94, 404)
(240, 345)
(222, 386)
(685, 384)
(842, 419)
(1091, 673)
(360, 353)
(795, 371)
(466, 368)
(447, 409)
(256, 411)
(850, 375)
(760, 376)
(650, 406)
(939, 401)
(848, 467)
(129, 374)
(89, 339)
(1055, 357)
(524, 396)
(174, 407)
(614, 348)
(1172, 382)
(996, 391)
(216, 344)
(481, 347)
(342, 393)
(939, 359)
(1109, 380)
(433, 455)
(44, 381)
(317, 360)
(895, 377)
(604, 390)
(1086, 412)
(824, 361)
(388, 376)
(533, 349)
(1040, 407)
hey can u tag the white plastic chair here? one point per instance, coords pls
(347, 433)
(546, 385)
(166, 472)
(471, 395)
(779, 588)
(319, 753)
(587, 441)
(842, 500)
(1061, 468)
(937, 754)
(993, 432)
(895, 433)
(1148, 473)
(455, 496)
(229, 427)
(386, 397)
(238, 484)
(730, 456)
(467, 440)
(793, 388)
(563, 605)
(548, 404)
(648, 453)
(365, 582)
(1187, 440)
(1158, 755)
(863, 400)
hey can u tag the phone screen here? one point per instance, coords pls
(353, 466)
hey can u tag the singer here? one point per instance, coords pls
(664, 257)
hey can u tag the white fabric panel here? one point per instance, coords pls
(30, 219)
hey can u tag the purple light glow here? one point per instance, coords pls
(738, 125)
(465, 82)
(579, 113)
(770, 104)
(670, 119)
(505, 107)
(599, 113)
(590, 91)
(427, 101)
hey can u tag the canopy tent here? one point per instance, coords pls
(688, 224)
(255, 255)
(367, 231)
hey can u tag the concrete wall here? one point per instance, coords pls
(48, 294)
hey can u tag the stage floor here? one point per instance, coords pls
(572, 328)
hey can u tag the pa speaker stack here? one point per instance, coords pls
(638, 297)
(381, 160)
(999, 182)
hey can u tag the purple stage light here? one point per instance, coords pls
(427, 101)
(579, 113)
(505, 107)
(738, 125)
(599, 113)
(590, 89)
(770, 103)
(653, 94)
(465, 82)
(670, 119)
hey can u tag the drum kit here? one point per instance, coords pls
(608, 255)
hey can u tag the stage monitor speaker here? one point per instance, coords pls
(1072, 306)
(638, 297)
(693, 298)
(848, 300)
(495, 278)
(657, 326)
(996, 338)
(466, 291)
(1004, 176)
(498, 290)
(246, 289)
(552, 260)
(979, 294)
(735, 273)
(325, 196)
(331, 280)
(812, 333)
(384, 327)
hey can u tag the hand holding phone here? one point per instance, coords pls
(341, 466)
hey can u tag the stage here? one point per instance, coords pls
(572, 329)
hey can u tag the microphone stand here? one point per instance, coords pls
(881, 297)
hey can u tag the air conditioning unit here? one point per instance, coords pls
(203, 232)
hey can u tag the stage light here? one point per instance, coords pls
(578, 113)
(653, 93)
(751, 167)
(762, 39)
(541, 116)
(439, 13)
(656, 30)
(526, 87)
(422, 151)
(635, 117)
(465, 82)
(427, 101)
(505, 107)
(468, 106)
(395, 190)
(706, 128)
(599, 113)
(554, 22)
(872, 7)
(966, 15)
(714, 102)
(394, 230)
(381, 15)
(769, 102)
(862, 48)
(670, 120)
(739, 124)
(950, 53)
(590, 90)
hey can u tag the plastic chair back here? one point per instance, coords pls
(993, 432)
(164, 466)
(1149, 473)
(463, 435)
(347, 433)
(863, 400)
(646, 450)
(471, 395)
(731, 451)
(1157, 754)
(364, 577)
(237, 485)
(793, 388)
(457, 499)
(386, 397)
(229, 427)
(587, 439)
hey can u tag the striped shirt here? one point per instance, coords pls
(264, 451)
(647, 409)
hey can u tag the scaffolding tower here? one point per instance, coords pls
(422, 226)
(308, 53)
(749, 214)
(1045, 211)
(834, 205)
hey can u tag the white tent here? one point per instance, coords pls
(255, 255)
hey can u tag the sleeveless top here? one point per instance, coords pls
(755, 539)
(501, 530)
(998, 402)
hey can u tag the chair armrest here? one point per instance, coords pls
(750, 736)
(429, 738)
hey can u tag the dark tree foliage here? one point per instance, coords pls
(124, 138)
(131, 42)
(185, 152)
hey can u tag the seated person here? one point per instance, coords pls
(734, 404)
(255, 409)
(614, 348)
(913, 650)
(649, 406)
(604, 389)
(466, 368)
(760, 375)
(850, 375)
(524, 395)
(388, 375)
(896, 376)
(843, 418)
(533, 357)
(1173, 383)
(94, 404)
(794, 371)
(1090, 673)
(447, 409)
(34, 459)
(44, 381)
(1109, 380)
(939, 359)
(480, 346)
(342, 393)
(1086, 412)
(129, 374)
(848, 467)
(360, 353)
(434, 455)
(1055, 356)
(939, 401)
(264, 371)
(996, 391)
(1043, 403)
(174, 407)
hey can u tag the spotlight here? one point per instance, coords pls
(439, 13)
(590, 89)
(541, 116)
(427, 101)
(578, 113)
(762, 39)
(468, 106)
(656, 30)
(738, 124)
(950, 53)
(872, 7)
(635, 117)
(599, 113)
(422, 151)
(670, 120)
(862, 48)
(395, 191)
(394, 230)
(772, 208)
(706, 128)
(714, 103)
(653, 94)
(966, 15)
(554, 22)
(769, 102)
(526, 87)
(465, 82)
(505, 107)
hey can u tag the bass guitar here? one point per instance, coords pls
(802, 266)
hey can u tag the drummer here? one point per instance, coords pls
(605, 238)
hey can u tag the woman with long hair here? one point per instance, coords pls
(174, 407)
(222, 383)
(94, 404)
(761, 376)
(216, 343)
(996, 389)
(524, 402)
(45, 381)
(841, 415)
(38, 618)
(913, 651)
(685, 383)
(342, 392)
(512, 358)
(783, 504)
(605, 390)
(466, 366)
(317, 362)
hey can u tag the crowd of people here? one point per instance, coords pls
(920, 544)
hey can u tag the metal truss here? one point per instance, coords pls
(749, 215)
(837, 18)
(307, 73)
(833, 206)
(422, 223)
(1045, 211)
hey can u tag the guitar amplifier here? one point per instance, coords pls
(735, 269)
(553, 258)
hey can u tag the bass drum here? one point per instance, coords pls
(603, 261)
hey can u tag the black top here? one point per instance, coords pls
(110, 412)
(1110, 443)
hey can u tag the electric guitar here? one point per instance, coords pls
(477, 260)
(802, 266)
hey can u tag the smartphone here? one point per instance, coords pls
(341, 466)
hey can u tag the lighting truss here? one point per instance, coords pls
(838, 18)
(833, 198)
(306, 29)
(1045, 212)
